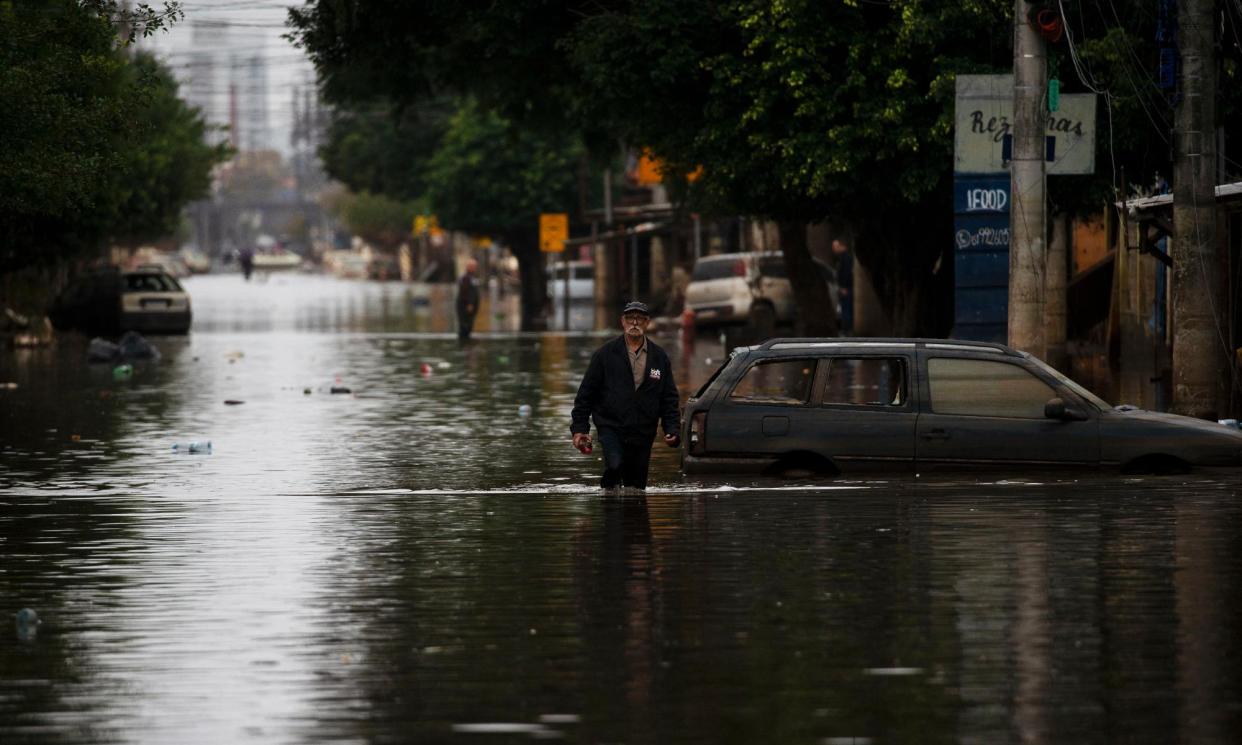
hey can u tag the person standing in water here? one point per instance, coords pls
(627, 390)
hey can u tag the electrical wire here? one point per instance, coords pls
(1108, 98)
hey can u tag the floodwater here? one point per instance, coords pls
(415, 561)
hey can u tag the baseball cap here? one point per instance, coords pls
(636, 307)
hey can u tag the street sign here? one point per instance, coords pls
(553, 232)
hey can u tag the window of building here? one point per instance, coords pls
(776, 382)
(985, 388)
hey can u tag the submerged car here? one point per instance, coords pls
(109, 302)
(833, 406)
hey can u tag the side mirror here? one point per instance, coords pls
(1056, 408)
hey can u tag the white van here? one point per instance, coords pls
(747, 288)
(581, 280)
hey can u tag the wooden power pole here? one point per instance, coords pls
(1199, 361)
(1027, 244)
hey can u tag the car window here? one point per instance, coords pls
(584, 272)
(150, 283)
(706, 269)
(708, 383)
(985, 388)
(864, 381)
(773, 266)
(776, 382)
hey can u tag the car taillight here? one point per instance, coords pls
(698, 433)
(739, 268)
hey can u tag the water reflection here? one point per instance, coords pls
(414, 561)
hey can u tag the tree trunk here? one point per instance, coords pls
(909, 258)
(525, 248)
(817, 312)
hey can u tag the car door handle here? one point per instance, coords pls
(936, 434)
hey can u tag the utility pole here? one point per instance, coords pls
(1027, 245)
(1200, 367)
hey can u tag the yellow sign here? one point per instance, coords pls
(553, 232)
(424, 224)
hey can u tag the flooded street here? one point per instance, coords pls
(416, 561)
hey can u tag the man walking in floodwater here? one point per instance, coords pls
(628, 388)
(467, 300)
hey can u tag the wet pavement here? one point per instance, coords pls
(415, 561)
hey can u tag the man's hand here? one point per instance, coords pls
(581, 440)
(672, 440)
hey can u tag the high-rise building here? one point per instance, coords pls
(250, 87)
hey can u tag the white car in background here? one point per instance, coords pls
(581, 280)
(749, 288)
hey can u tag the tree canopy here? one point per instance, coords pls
(97, 147)
(795, 111)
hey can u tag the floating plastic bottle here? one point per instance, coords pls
(122, 372)
(27, 622)
(524, 410)
(194, 447)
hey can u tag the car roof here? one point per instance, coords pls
(749, 255)
(736, 256)
(872, 344)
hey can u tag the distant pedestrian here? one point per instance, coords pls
(467, 300)
(845, 281)
(627, 390)
(245, 258)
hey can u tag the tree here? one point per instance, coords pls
(61, 108)
(382, 148)
(166, 162)
(491, 177)
(796, 111)
(378, 219)
(96, 148)
(803, 110)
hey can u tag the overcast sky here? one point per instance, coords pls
(254, 29)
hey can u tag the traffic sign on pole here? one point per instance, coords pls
(553, 232)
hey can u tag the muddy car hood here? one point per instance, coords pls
(1203, 426)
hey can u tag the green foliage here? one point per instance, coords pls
(166, 163)
(140, 20)
(797, 110)
(384, 150)
(95, 148)
(379, 219)
(489, 176)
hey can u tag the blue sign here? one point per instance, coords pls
(981, 195)
(981, 257)
(981, 232)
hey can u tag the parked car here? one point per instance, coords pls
(747, 288)
(196, 261)
(149, 257)
(832, 406)
(581, 281)
(384, 267)
(346, 264)
(109, 302)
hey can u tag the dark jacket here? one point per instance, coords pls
(608, 396)
(467, 295)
